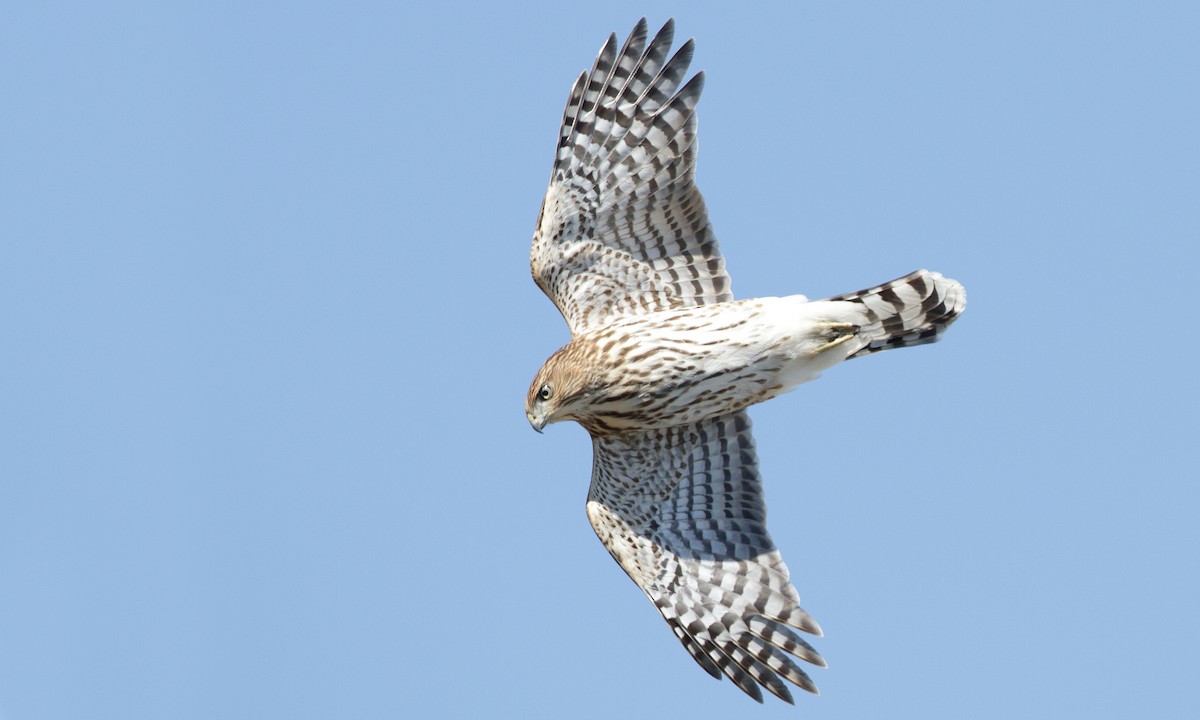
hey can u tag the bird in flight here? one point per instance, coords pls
(663, 362)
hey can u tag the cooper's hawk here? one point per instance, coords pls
(663, 362)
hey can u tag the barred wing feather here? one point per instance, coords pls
(681, 510)
(623, 229)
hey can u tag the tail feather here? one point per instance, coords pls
(912, 310)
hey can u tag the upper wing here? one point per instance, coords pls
(681, 510)
(623, 229)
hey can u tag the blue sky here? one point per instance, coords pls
(266, 326)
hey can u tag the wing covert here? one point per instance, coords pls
(681, 510)
(623, 228)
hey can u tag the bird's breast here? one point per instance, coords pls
(683, 366)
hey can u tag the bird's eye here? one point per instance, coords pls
(544, 393)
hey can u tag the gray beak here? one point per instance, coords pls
(536, 422)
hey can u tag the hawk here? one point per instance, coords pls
(663, 362)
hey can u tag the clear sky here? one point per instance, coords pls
(266, 328)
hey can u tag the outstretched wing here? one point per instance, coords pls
(681, 510)
(623, 229)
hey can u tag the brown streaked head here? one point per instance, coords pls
(556, 390)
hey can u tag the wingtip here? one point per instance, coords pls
(779, 689)
(800, 618)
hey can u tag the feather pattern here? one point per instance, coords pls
(663, 363)
(623, 229)
(681, 510)
(911, 310)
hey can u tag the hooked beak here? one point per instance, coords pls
(537, 422)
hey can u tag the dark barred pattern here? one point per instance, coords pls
(676, 497)
(623, 229)
(912, 310)
(681, 509)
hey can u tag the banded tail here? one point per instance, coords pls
(912, 310)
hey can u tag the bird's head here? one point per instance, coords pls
(556, 390)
